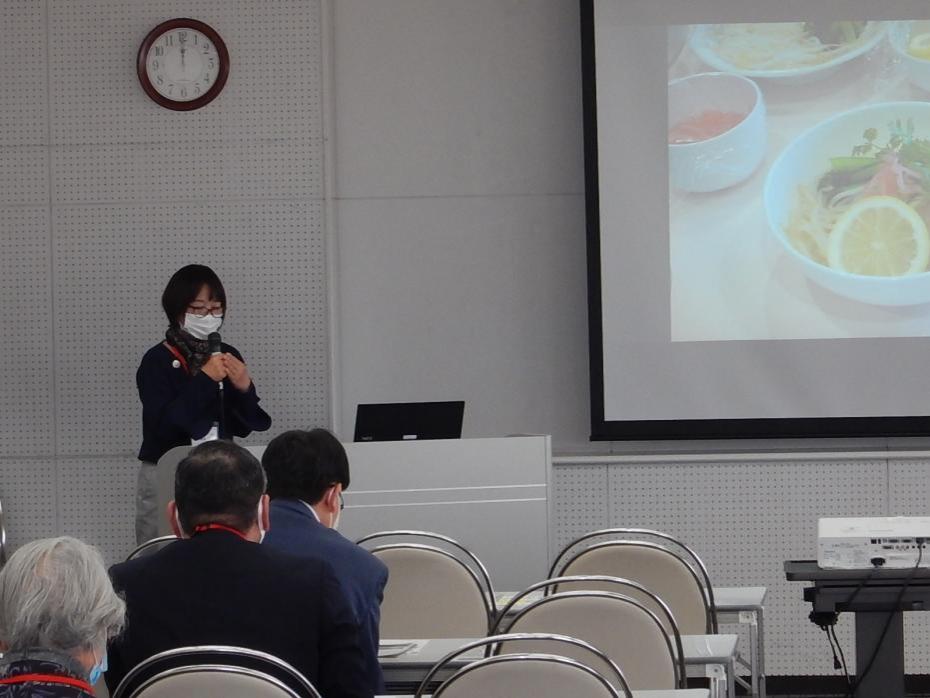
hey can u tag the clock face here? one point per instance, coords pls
(183, 64)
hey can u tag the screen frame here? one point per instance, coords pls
(603, 429)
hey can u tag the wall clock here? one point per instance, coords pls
(183, 64)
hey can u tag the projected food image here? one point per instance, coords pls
(867, 213)
(777, 49)
(799, 180)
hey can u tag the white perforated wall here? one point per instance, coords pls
(104, 194)
(745, 518)
(909, 495)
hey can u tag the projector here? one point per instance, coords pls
(886, 541)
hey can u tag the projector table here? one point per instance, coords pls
(871, 595)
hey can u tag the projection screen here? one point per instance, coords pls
(758, 206)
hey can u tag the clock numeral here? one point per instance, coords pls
(155, 64)
(159, 79)
(206, 79)
(170, 88)
(169, 40)
(184, 92)
(182, 36)
(206, 47)
(159, 50)
(196, 89)
(210, 64)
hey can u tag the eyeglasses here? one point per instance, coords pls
(201, 310)
(342, 502)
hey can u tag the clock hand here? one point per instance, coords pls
(182, 58)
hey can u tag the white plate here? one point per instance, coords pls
(702, 45)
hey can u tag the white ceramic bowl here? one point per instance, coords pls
(804, 161)
(729, 158)
(917, 69)
(702, 45)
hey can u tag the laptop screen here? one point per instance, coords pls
(401, 421)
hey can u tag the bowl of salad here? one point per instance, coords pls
(849, 201)
(788, 52)
(911, 42)
(716, 131)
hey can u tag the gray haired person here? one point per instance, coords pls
(57, 611)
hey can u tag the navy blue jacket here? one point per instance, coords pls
(218, 589)
(177, 407)
(294, 529)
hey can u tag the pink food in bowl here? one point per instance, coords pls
(708, 124)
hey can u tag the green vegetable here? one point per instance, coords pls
(850, 163)
(856, 169)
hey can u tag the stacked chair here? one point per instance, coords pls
(150, 546)
(2, 539)
(436, 587)
(657, 561)
(642, 638)
(214, 672)
(578, 669)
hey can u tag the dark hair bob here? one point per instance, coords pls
(183, 287)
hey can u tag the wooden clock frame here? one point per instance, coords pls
(222, 70)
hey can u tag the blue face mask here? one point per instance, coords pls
(98, 669)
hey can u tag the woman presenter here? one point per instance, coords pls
(193, 387)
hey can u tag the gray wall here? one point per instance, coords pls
(103, 194)
(460, 211)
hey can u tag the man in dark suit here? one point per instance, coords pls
(307, 472)
(218, 586)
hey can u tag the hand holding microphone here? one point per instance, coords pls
(226, 365)
(215, 366)
(237, 372)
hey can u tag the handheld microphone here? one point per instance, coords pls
(214, 346)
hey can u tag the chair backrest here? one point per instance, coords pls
(627, 632)
(213, 682)
(431, 591)
(656, 560)
(626, 587)
(2, 538)
(519, 679)
(150, 546)
(214, 671)
(527, 676)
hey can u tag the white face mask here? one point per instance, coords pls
(200, 327)
(261, 528)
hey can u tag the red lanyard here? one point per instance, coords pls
(218, 527)
(49, 678)
(178, 356)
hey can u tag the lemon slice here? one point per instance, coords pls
(919, 46)
(880, 236)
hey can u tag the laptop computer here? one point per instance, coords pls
(402, 421)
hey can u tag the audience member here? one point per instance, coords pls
(217, 586)
(57, 611)
(307, 472)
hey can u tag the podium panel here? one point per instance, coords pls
(492, 495)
